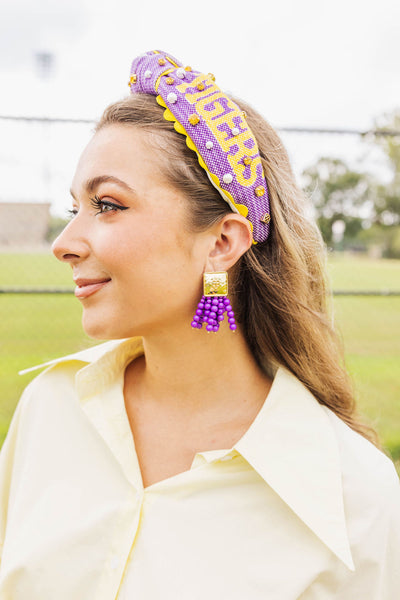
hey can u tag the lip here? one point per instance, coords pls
(87, 287)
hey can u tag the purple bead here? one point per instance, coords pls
(210, 328)
(232, 326)
(220, 317)
(226, 301)
(231, 320)
(193, 324)
(231, 313)
(199, 325)
(199, 311)
(215, 328)
(214, 301)
(196, 318)
(205, 319)
(206, 312)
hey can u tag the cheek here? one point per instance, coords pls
(150, 254)
(117, 248)
(164, 272)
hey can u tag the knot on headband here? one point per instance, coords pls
(215, 128)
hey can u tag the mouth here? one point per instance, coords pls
(87, 287)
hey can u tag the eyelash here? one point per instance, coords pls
(98, 203)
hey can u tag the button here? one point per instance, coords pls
(114, 563)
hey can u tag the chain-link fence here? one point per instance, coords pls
(41, 317)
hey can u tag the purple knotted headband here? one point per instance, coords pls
(215, 128)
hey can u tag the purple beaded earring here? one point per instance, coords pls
(214, 303)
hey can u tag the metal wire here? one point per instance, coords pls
(292, 129)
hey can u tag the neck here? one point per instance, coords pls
(191, 370)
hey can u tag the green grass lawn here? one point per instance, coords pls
(361, 273)
(34, 271)
(36, 328)
(370, 328)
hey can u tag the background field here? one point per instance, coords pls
(36, 328)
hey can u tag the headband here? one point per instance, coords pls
(215, 128)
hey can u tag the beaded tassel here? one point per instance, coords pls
(210, 310)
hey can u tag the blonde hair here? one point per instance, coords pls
(280, 295)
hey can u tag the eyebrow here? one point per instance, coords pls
(92, 184)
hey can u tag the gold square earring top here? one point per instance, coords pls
(215, 284)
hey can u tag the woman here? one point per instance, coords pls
(209, 449)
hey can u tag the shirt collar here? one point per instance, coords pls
(90, 355)
(291, 443)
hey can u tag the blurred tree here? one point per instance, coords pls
(381, 240)
(387, 200)
(340, 194)
(390, 144)
(387, 204)
(337, 193)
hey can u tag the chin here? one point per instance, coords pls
(98, 329)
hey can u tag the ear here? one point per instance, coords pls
(233, 237)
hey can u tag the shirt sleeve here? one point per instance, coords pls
(390, 582)
(377, 553)
(375, 535)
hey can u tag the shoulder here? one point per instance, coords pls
(371, 494)
(82, 374)
(56, 390)
(57, 382)
(371, 502)
(364, 466)
(314, 432)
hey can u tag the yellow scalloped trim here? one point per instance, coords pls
(168, 116)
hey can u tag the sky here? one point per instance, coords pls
(308, 63)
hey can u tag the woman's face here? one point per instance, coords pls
(136, 266)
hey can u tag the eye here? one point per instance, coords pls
(103, 206)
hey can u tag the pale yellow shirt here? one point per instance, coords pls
(301, 507)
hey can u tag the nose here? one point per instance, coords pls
(71, 245)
